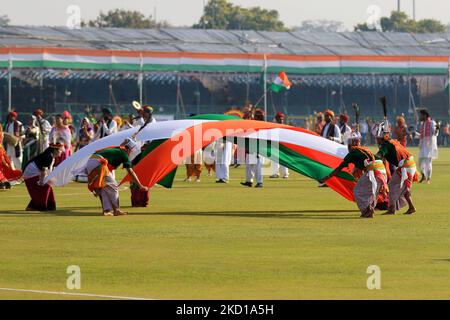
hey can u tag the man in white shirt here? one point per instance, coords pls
(148, 115)
(345, 129)
(44, 130)
(107, 126)
(15, 152)
(330, 130)
(429, 131)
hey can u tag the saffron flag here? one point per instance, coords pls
(281, 83)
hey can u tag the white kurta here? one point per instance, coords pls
(224, 155)
(276, 167)
(428, 152)
(253, 168)
(337, 133)
(106, 130)
(44, 133)
(16, 161)
(346, 135)
(428, 145)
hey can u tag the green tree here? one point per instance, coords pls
(4, 20)
(119, 18)
(221, 14)
(215, 15)
(400, 22)
(363, 27)
(430, 25)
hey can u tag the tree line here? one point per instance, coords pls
(222, 14)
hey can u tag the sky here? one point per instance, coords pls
(188, 12)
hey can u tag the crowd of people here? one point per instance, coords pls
(384, 179)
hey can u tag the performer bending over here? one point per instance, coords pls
(101, 181)
(405, 173)
(42, 196)
(139, 198)
(371, 183)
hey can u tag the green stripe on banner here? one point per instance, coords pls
(217, 68)
(167, 181)
(299, 163)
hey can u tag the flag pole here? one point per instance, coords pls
(448, 88)
(141, 80)
(265, 88)
(10, 68)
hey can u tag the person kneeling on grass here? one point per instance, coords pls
(42, 196)
(373, 181)
(101, 181)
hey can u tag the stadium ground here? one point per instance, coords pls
(290, 240)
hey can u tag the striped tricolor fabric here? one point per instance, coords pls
(67, 58)
(296, 148)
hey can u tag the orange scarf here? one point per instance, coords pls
(402, 152)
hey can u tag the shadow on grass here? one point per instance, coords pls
(283, 214)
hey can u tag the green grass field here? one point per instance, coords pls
(289, 240)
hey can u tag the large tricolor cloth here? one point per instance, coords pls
(298, 149)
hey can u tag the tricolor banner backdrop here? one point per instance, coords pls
(65, 58)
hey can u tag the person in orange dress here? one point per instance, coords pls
(401, 132)
(7, 173)
(320, 123)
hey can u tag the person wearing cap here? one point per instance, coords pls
(429, 131)
(400, 184)
(44, 130)
(148, 115)
(101, 181)
(42, 196)
(61, 133)
(107, 125)
(345, 129)
(280, 118)
(15, 129)
(253, 161)
(331, 131)
(371, 183)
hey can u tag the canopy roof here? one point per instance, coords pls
(178, 49)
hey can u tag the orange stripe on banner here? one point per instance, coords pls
(342, 186)
(216, 56)
(159, 163)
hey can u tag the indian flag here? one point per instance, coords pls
(281, 82)
(295, 148)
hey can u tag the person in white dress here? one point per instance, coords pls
(429, 132)
(107, 125)
(44, 130)
(223, 153)
(331, 131)
(346, 130)
(15, 129)
(253, 161)
(280, 118)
